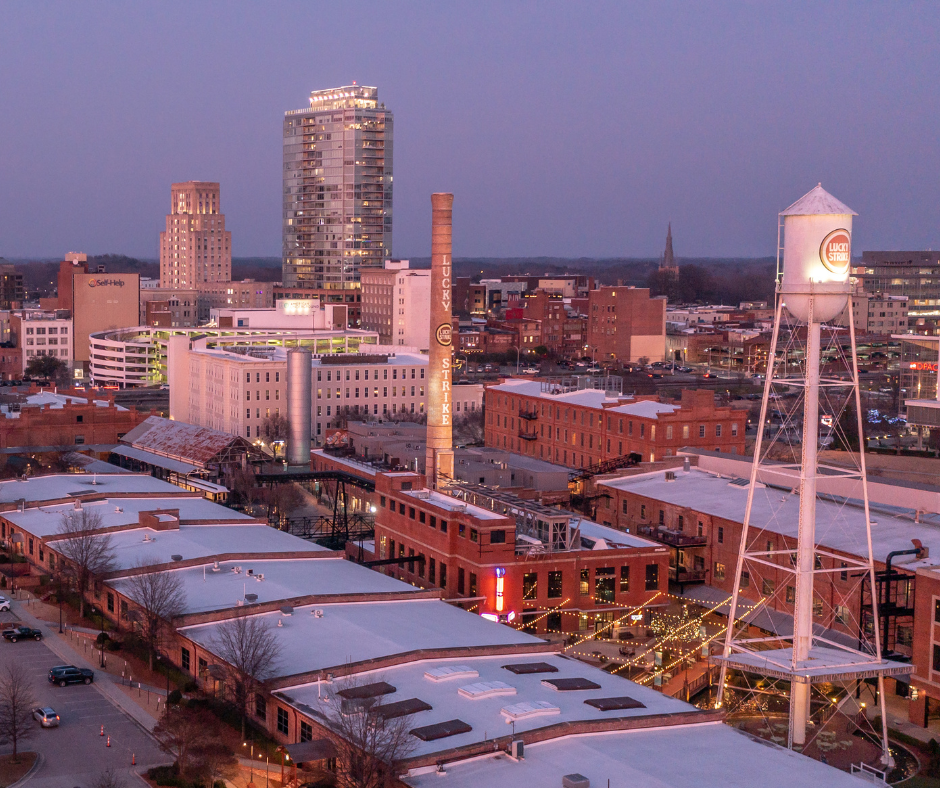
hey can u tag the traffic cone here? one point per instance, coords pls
(133, 759)
(109, 742)
(102, 730)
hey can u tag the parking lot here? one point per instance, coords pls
(75, 754)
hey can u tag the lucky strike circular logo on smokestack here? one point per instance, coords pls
(835, 252)
(445, 333)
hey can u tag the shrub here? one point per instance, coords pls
(174, 698)
(103, 638)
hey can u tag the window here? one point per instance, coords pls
(844, 575)
(473, 585)
(624, 506)
(842, 614)
(604, 584)
(283, 724)
(443, 575)
(261, 710)
(767, 588)
(817, 606)
(701, 430)
(498, 537)
(624, 579)
(936, 657)
(700, 528)
(529, 585)
(411, 513)
(111, 604)
(717, 430)
(791, 595)
(669, 432)
(662, 517)
(936, 611)
(474, 535)
(421, 517)
(306, 731)
(443, 526)
(734, 430)
(652, 577)
(584, 587)
(460, 580)
(721, 534)
(184, 658)
(719, 571)
(643, 511)
(554, 585)
(431, 573)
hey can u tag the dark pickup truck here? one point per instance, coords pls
(21, 633)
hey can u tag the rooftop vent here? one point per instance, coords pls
(118, 509)
(280, 623)
(317, 613)
(401, 708)
(216, 567)
(148, 538)
(367, 690)
(615, 704)
(259, 577)
(176, 557)
(526, 709)
(251, 597)
(687, 465)
(670, 476)
(251, 572)
(287, 610)
(575, 781)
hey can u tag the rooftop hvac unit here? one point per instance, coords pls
(287, 610)
(118, 509)
(239, 602)
(318, 613)
(216, 567)
(575, 781)
(259, 577)
(251, 572)
(517, 749)
(177, 557)
(148, 538)
(251, 597)
(670, 476)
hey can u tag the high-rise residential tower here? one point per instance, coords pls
(195, 248)
(337, 188)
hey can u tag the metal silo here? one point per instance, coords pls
(299, 399)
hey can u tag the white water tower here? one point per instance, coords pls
(813, 290)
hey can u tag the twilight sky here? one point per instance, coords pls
(563, 128)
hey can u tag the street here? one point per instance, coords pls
(75, 754)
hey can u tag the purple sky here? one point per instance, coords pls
(570, 129)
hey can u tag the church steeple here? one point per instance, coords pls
(668, 262)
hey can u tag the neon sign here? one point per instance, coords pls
(500, 578)
(923, 366)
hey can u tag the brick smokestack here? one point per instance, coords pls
(440, 442)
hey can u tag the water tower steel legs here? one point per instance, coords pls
(806, 541)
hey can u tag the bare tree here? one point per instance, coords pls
(274, 429)
(370, 745)
(161, 598)
(249, 648)
(282, 499)
(89, 552)
(242, 483)
(470, 427)
(181, 733)
(216, 761)
(109, 778)
(16, 706)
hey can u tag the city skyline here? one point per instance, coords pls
(708, 117)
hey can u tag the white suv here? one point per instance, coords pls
(4, 604)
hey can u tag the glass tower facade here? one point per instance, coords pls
(337, 188)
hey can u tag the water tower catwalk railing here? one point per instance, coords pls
(829, 642)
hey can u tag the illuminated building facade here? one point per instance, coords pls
(195, 248)
(337, 188)
(545, 569)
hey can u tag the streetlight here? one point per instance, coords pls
(251, 769)
(517, 359)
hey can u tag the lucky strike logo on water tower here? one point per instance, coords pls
(835, 252)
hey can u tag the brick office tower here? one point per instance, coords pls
(195, 248)
(626, 325)
(337, 188)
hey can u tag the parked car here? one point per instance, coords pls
(4, 604)
(21, 633)
(69, 674)
(531, 370)
(46, 717)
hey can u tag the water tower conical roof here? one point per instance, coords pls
(815, 202)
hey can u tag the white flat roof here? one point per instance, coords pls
(356, 631)
(55, 402)
(202, 541)
(707, 755)
(359, 467)
(483, 714)
(286, 578)
(46, 520)
(594, 398)
(62, 485)
(644, 409)
(453, 504)
(839, 526)
(612, 536)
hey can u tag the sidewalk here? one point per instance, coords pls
(896, 708)
(105, 682)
